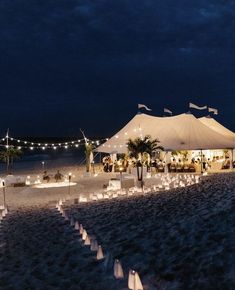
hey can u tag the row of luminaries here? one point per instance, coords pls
(134, 282)
(163, 182)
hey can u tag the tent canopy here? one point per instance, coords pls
(216, 126)
(181, 132)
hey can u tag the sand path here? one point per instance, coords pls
(39, 250)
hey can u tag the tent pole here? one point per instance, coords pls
(201, 163)
(166, 168)
(231, 160)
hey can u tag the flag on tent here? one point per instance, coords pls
(167, 111)
(140, 106)
(193, 106)
(212, 110)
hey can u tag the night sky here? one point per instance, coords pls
(67, 64)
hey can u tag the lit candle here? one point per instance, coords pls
(131, 280)
(84, 235)
(87, 241)
(100, 254)
(81, 229)
(76, 226)
(118, 271)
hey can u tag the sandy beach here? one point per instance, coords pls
(177, 239)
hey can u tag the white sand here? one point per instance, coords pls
(180, 239)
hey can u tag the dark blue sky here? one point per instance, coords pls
(66, 64)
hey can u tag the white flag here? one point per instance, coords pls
(191, 105)
(167, 111)
(212, 110)
(140, 106)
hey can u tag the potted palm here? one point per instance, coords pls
(139, 148)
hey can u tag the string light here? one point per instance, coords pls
(26, 144)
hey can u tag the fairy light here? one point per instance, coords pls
(43, 146)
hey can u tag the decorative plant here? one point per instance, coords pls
(142, 149)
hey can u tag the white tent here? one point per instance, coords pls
(181, 132)
(216, 126)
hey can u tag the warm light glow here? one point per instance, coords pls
(100, 254)
(54, 184)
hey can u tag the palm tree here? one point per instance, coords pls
(88, 151)
(141, 149)
(8, 155)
